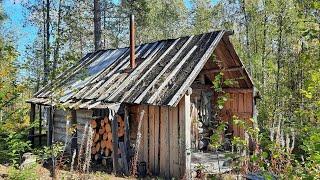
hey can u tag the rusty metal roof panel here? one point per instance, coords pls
(165, 69)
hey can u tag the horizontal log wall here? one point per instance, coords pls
(163, 133)
(62, 124)
(83, 116)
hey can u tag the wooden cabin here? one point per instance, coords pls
(157, 106)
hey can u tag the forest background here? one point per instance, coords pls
(278, 41)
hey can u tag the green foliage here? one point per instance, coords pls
(47, 152)
(215, 138)
(23, 174)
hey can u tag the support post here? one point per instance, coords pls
(32, 118)
(127, 131)
(50, 127)
(74, 141)
(40, 126)
(185, 135)
(115, 155)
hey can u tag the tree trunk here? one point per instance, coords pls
(97, 25)
(45, 62)
(57, 45)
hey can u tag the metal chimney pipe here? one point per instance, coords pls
(132, 43)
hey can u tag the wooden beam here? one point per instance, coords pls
(164, 142)
(74, 142)
(203, 87)
(32, 118)
(40, 125)
(115, 156)
(155, 80)
(185, 137)
(184, 87)
(124, 158)
(173, 73)
(50, 126)
(129, 92)
(229, 69)
(237, 90)
(127, 130)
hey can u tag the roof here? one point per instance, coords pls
(165, 70)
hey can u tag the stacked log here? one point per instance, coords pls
(102, 142)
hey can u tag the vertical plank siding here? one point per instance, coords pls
(164, 142)
(163, 145)
(239, 104)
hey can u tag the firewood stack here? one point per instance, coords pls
(102, 141)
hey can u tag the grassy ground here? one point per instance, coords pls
(39, 172)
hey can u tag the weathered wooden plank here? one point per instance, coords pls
(122, 66)
(50, 126)
(196, 70)
(32, 118)
(127, 93)
(74, 141)
(88, 86)
(170, 76)
(127, 130)
(142, 95)
(141, 147)
(187, 106)
(146, 136)
(249, 102)
(174, 142)
(65, 74)
(241, 104)
(138, 142)
(182, 140)
(185, 137)
(136, 71)
(164, 142)
(156, 139)
(152, 141)
(124, 158)
(229, 69)
(40, 125)
(115, 156)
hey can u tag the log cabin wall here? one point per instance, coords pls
(62, 124)
(163, 138)
(239, 104)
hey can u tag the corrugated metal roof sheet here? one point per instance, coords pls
(165, 69)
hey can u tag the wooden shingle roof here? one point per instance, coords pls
(165, 70)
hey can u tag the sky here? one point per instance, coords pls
(24, 33)
(15, 25)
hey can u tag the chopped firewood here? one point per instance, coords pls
(105, 136)
(120, 132)
(103, 144)
(109, 145)
(96, 157)
(97, 147)
(96, 137)
(106, 152)
(109, 136)
(102, 123)
(107, 127)
(93, 123)
(93, 150)
(101, 130)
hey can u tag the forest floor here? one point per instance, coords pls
(43, 173)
